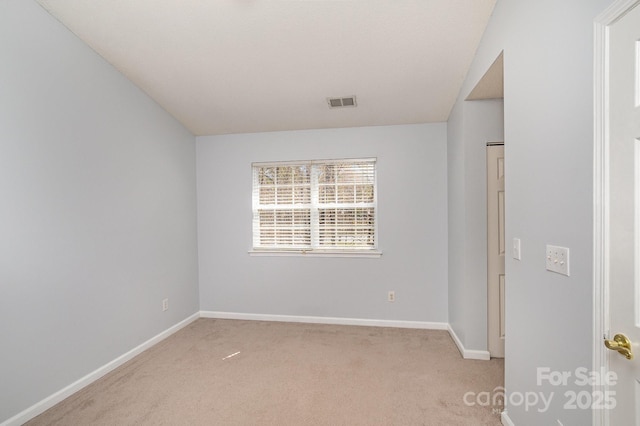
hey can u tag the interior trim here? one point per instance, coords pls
(600, 306)
(506, 421)
(467, 353)
(325, 320)
(40, 407)
(69, 390)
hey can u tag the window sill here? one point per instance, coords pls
(317, 253)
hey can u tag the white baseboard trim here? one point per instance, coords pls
(325, 320)
(506, 421)
(52, 400)
(467, 353)
(55, 398)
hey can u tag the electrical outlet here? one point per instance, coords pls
(391, 296)
(557, 259)
(165, 304)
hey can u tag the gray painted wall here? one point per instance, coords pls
(412, 216)
(471, 125)
(548, 113)
(98, 211)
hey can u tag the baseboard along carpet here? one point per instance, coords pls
(235, 372)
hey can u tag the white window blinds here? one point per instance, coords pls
(315, 205)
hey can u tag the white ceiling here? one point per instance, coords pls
(238, 66)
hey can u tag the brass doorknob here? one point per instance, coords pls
(620, 343)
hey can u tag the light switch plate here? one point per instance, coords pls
(516, 248)
(557, 259)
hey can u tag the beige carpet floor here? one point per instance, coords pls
(288, 374)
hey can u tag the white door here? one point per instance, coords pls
(623, 272)
(495, 250)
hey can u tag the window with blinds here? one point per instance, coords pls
(327, 205)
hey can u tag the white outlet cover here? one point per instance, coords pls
(557, 259)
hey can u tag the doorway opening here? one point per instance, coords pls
(491, 87)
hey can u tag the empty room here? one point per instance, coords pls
(319, 212)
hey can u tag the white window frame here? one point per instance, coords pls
(314, 206)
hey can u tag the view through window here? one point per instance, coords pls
(327, 205)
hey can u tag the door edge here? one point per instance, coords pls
(600, 359)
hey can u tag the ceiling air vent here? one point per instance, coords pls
(349, 101)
